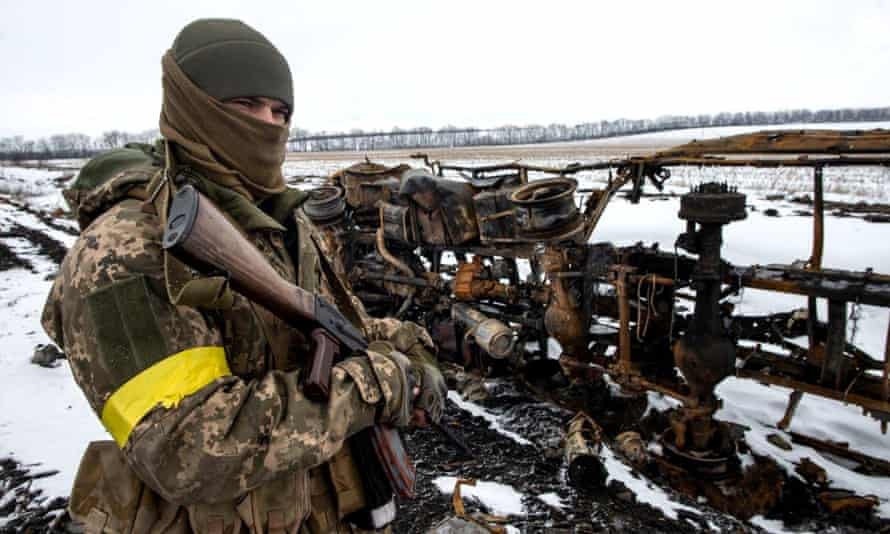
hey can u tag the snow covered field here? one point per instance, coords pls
(676, 137)
(46, 420)
(866, 184)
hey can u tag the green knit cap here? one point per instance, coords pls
(228, 59)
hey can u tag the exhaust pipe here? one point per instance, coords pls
(495, 338)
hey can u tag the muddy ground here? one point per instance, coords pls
(531, 470)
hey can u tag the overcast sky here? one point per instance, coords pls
(91, 66)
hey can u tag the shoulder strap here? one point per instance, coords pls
(184, 286)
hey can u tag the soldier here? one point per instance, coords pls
(198, 386)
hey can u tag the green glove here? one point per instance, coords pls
(433, 390)
(423, 378)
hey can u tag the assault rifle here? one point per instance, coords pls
(200, 235)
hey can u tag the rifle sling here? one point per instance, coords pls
(341, 295)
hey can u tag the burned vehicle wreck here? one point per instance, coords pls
(497, 260)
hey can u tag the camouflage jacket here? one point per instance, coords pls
(206, 404)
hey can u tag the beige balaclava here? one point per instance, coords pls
(213, 60)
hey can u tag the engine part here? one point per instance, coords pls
(469, 284)
(397, 223)
(583, 452)
(389, 257)
(699, 444)
(366, 183)
(443, 208)
(630, 445)
(546, 211)
(705, 355)
(325, 205)
(493, 336)
(713, 203)
(563, 316)
(496, 216)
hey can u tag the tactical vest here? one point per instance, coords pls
(107, 495)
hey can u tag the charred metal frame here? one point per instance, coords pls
(563, 298)
(838, 378)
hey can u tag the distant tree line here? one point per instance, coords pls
(71, 145)
(451, 136)
(78, 145)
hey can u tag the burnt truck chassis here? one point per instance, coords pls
(618, 311)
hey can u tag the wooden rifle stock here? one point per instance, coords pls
(204, 238)
(200, 235)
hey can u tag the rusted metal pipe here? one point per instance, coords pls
(396, 279)
(815, 263)
(812, 321)
(493, 336)
(667, 391)
(861, 399)
(620, 281)
(790, 142)
(886, 376)
(652, 279)
(864, 288)
(818, 221)
(843, 451)
(793, 402)
(563, 320)
(832, 357)
(583, 452)
(389, 257)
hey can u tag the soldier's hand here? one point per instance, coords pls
(425, 389)
(429, 391)
(415, 342)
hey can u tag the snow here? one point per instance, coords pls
(46, 419)
(27, 182)
(494, 421)
(552, 499)
(659, 403)
(30, 221)
(774, 526)
(35, 176)
(646, 491)
(501, 499)
(759, 408)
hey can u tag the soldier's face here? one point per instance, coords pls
(269, 110)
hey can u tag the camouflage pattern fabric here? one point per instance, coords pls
(245, 429)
